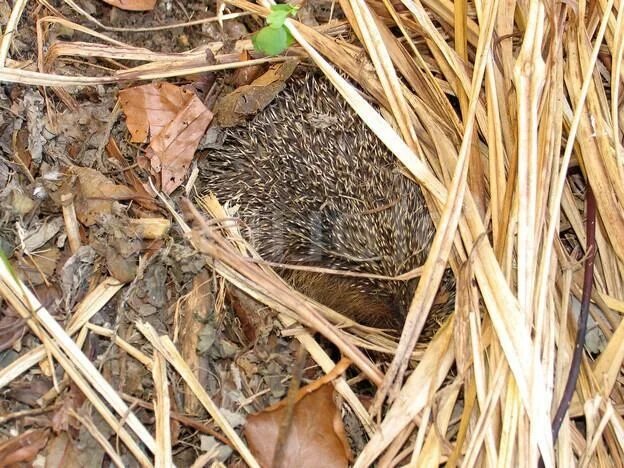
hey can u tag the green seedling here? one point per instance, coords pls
(275, 38)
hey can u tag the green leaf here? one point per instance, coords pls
(274, 38)
(272, 41)
(279, 13)
(289, 38)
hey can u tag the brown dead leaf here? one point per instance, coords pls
(29, 392)
(175, 119)
(11, 330)
(95, 194)
(36, 268)
(316, 433)
(144, 197)
(22, 155)
(246, 75)
(132, 5)
(173, 149)
(71, 401)
(23, 448)
(62, 452)
(121, 268)
(149, 108)
(61, 419)
(12, 327)
(247, 100)
(39, 234)
(252, 315)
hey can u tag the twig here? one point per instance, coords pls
(71, 222)
(180, 418)
(584, 312)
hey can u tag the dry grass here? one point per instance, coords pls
(538, 88)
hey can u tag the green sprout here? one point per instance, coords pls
(275, 38)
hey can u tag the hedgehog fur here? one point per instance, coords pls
(316, 187)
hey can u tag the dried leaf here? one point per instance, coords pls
(22, 154)
(71, 401)
(175, 119)
(247, 100)
(29, 392)
(11, 330)
(36, 268)
(149, 108)
(96, 194)
(246, 75)
(12, 325)
(23, 448)
(62, 452)
(121, 268)
(316, 433)
(39, 234)
(144, 197)
(173, 149)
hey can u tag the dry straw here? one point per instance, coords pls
(503, 112)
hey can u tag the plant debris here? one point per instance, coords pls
(139, 327)
(174, 120)
(315, 433)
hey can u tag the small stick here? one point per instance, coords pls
(163, 456)
(71, 222)
(582, 320)
(588, 277)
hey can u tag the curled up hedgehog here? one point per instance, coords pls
(316, 187)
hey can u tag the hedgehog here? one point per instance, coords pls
(316, 187)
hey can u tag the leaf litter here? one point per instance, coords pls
(316, 432)
(174, 120)
(105, 258)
